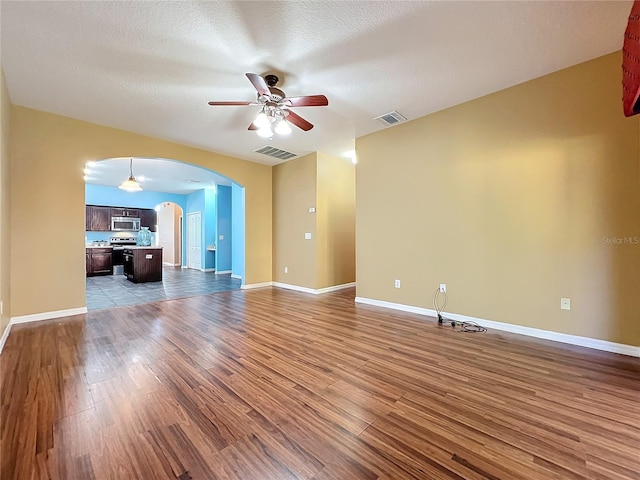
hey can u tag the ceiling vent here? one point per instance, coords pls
(276, 153)
(391, 118)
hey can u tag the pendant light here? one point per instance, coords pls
(130, 185)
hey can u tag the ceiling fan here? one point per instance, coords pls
(276, 107)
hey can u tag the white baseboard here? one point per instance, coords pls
(255, 285)
(335, 288)
(207, 270)
(169, 264)
(222, 272)
(594, 343)
(5, 335)
(36, 317)
(239, 277)
(318, 291)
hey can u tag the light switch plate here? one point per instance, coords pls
(307, 236)
(312, 210)
(220, 237)
(565, 303)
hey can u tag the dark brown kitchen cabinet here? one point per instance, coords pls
(99, 261)
(125, 212)
(148, 218)
(97, 219)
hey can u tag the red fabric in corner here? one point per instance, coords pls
(631, 63)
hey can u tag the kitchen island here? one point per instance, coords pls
(143, 264)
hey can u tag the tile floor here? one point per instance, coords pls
(116, 291)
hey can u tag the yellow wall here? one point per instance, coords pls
(47, 190)
(328, 258)
(509, 199)
(5, 237)
(294, 191)
(336, 223)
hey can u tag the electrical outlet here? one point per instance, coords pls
(312, 210)
(443, 288)
(307, 236)
(286, 269)
(565, 303)
(1, 307)
(220, 237)
(397, 284)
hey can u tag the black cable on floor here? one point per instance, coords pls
(467, 327)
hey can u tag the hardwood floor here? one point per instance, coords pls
(274, 384)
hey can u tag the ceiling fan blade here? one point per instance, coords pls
(259, 83)
(298, 121)
(218, 104)
(306, 101)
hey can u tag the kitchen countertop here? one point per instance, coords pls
(91, 245)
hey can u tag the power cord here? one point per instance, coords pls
(467, 327)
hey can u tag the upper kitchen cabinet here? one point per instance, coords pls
(148, 219)
(97, 219)
(125, 212)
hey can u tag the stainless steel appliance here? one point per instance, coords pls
(119, 244)
(125, 224)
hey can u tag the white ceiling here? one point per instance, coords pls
(151, 67)
(154, 174)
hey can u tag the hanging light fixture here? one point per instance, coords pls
(130, 185)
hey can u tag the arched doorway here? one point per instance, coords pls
(171, 190)
(169, 232)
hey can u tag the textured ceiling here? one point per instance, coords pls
(151, 67)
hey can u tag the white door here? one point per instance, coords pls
(194, 240)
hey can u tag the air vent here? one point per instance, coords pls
(276, 152)
(391, 118)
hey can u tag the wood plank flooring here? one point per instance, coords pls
(274, 384)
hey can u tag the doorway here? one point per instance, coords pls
(169, 232)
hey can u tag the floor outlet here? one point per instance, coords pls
(443, 288)
(565, 303)
(397, 284)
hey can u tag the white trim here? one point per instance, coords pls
(256, 285)
(294, 287)
(207, 270)
(183, 266)
(5, 335)
(594, 343)
(169, 264)
(36, 317)
(318, 291)
(221, 272)
(239, 277)
(335, 288)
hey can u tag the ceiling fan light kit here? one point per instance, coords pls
(275, 115)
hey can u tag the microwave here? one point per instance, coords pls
(125, 224)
